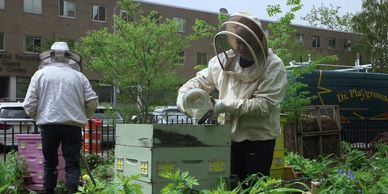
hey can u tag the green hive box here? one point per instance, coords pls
(148, 150)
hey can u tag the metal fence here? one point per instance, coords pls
(360, 133)
(100, 140)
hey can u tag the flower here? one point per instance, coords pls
(85, 177)
(350, 175)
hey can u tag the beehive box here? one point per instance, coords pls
(149, 150)
(30, 148)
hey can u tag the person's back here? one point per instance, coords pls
(61, 92)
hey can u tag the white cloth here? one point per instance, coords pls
(58, 94)
(253, 106)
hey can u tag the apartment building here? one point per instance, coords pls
(27, 25)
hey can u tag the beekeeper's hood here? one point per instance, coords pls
(242, 37)
(60, 54)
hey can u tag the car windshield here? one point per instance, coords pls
(13, 113)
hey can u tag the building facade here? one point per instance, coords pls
(26, 26)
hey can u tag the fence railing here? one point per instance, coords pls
(99, 141)
(360, 133)
(102, 141)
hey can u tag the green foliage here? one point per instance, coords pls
(263, 184)
(356, 159)
(11, 174)
(328, 17)
(371, 23)
(93, 160)
(122, 185)
(381, 186)
(138, 56)
(180, 181)
(342, 182)
(314, 169)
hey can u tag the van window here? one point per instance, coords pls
(13, 113)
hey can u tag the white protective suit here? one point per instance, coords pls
(249, 96)
(58, 92)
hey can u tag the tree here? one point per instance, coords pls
(288, 50)
(328, 17)
(137, 57)
(372, 23)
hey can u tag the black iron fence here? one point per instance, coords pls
(98, 139)
(361, 133)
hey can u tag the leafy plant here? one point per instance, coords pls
(93, 160)
(104, 172)
(314, 169)
(122, 185)
(263, 184)
(14, 169)
(342, 182)
(356, 160)
(180, 181)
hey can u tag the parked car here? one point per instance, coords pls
(13, 113)
(164, 115)
(109, 118)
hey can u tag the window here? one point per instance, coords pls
(32, 44)
(201, 58)
(347, 45)
(67, 8)
(22, 86)
(331, 45)
(316, 41)
(300, 39)
(98, 13)
(181, 23)
(179, 59)
(1, 40)
(33, 6)
(1, 4)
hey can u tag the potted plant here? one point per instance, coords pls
(23, 167)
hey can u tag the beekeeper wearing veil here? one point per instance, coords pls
(251, 81)
(60, 99)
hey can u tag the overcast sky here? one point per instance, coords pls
(258, 7)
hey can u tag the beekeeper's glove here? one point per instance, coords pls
(218, 106)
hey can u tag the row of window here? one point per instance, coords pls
(316, 42)
(201, 58)
(67, 8)
(31, 44)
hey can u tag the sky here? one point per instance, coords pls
(258, 7)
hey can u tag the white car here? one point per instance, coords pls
(13, 114)
(164, 115)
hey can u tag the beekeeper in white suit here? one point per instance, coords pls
(251, 81)
(60, 99)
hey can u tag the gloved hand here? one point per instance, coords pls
(218, 106)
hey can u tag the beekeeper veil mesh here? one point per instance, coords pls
(60, 54)
(243, 36)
